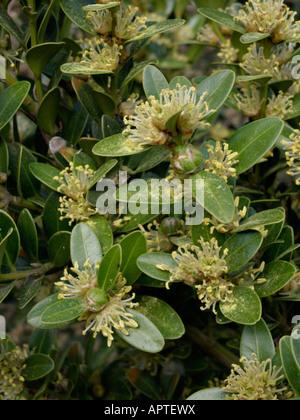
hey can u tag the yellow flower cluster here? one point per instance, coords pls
(156, 240)
(221, 160)
(270, 17)
(227, 53)
(292, 153)
(205, 268)
(12, 365)
(280, 105)
(101, 55)
(74, 184)
(148, 125)
(108, 314)
(254, 381)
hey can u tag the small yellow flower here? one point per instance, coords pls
(207, 34)
(105, 311)
(280, 105)
(100, 55)
(128, 25)
(148, 125)
(74, 184)
(228, 54)
(292, 148)
(102, 21)
(254, 381)
(256, 63)
(270, 17)
(156, 240)
(12, 365)
(249, 101)
(221, 161)
(251, 277)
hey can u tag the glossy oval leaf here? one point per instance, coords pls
(223, 19)
(117, 146)
(212, 193)
(39, 56)
(103, 231)
(158, 28)
(254, 140)
(48, 110)
(37, 366)
(277, 274)
(264, 218)
(246, 308)
(12, 248)
(74, 11)
(146, 337)
(257, 339)
(252, 37)
(28, 234)
(295, 341)
(10, 101)
(46, 174)
(59, 248)
(85, 246)
(82, 69)
(148, 264)
(242, 247)
(154, 82)
(63, 311)
(162, 315)
(212, 394)
(289, 363)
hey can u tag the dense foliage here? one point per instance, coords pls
(110, 287)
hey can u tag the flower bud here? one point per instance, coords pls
(171, 226)
(96, 299)
(187, 159)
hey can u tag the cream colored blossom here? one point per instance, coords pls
(156, 240)
(12, 365)
(74, 183)
(256, 63)
(148, 125)
(128, 25)
(221, 161)
(254, 381)
(207, 34)
(105, 311)
(249, 101)
(227, 53)
(280, 105)
(100, 55)
(270, 17)
(292, 154)
(102, 21)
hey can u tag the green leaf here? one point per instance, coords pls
(117, 146)
(264, 218)
(162, 315)
(180, 80)
(110, 127)
(87, 95)
(110, 268)
(77, 15)
(98, 7)
(46, 174)
(63, 311)
(295, 341)
(20, 160)
(217, 198)
(41, 341)
(148, 264)
(12, 249)
(252, 37)
(212, 394)
(37, 366)
(10, 26)
(10, 101)
(260, 77)
(103, 231)
(76, 124)
(4, 156)
(82, 69)
(28, 234)
(5, 291)
(277, 274)
(289, 363)
(85, 245)
(48, 109)
(152, 158)
(133, 246)
(154, 82)
(146, 337)
(257, 339)
(135, 221)
(158, 28)
(28, 291)
(246, 307)
(216, 89)
(253, 141)
(34, 317)
(223, 19)
(39, 56)
(3, 243)
(101, 172)
(242, 248)
(59, 248)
